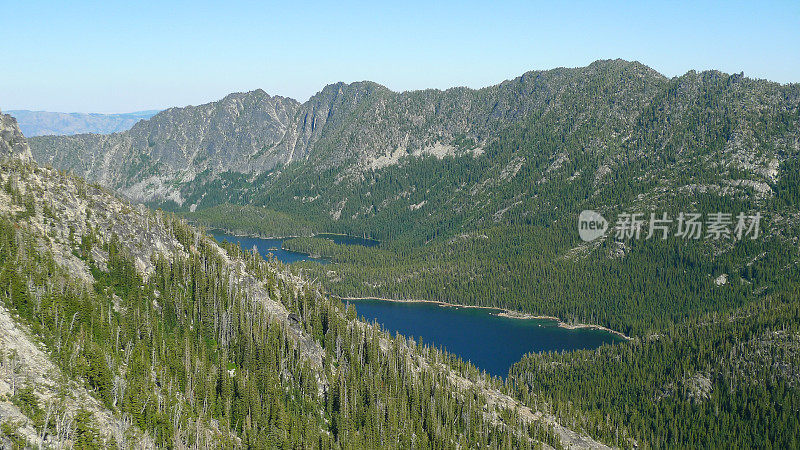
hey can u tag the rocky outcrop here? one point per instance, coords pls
(12, 142)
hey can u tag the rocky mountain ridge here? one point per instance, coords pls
(355, 126)
(12, 142)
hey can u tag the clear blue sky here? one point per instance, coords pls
(107, 56)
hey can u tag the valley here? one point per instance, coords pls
(463, 197)
(490, 221)
(490, 339)
(127, 327)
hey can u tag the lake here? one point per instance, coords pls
(490, 342)
(275, 246)
(267, 246)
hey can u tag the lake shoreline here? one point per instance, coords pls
(275, 250)
(246, 234)
(213, 231)
(347, 235)
(502, 312)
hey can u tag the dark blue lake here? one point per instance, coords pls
(275, 246)
(268, 246)
(490, 342)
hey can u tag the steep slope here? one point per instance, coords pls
(615, 124)
(602, 135)
(238, 133)
(126, 327)
(42, 123)
(719, 380)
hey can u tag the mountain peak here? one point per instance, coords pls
(354, 87)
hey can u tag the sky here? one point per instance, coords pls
(112, 57)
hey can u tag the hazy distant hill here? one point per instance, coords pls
(41, 123)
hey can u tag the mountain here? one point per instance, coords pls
(476, 193)
(124, 327)
(178, 144)
(475, 196)
(40, 123)
(354, 126)
(618, 110)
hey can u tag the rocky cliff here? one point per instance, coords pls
(12, 142)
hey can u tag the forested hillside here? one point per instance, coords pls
(726, 380)
(475, 196)
(501, 230)
(128, 328)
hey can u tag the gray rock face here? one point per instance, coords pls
(12, 142)
(356, 126)
(239, 133)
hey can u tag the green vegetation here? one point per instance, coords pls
(536, 277)
(715, 322)
(499, 229)
(712, 361)
(252, 220)
(721, 379)
(186, 347)
(788, 187)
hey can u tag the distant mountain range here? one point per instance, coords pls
(570, 124)
(41, 123)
